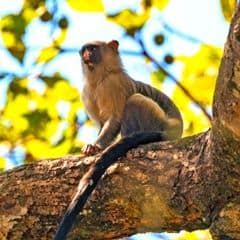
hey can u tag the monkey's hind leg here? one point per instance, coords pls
(142, 114)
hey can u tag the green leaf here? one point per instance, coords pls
(13, 28)
(157, 78)
(86, 5)
(51, 80)
(228, 7)
(16, 87)
(37, 121)
(33, 4)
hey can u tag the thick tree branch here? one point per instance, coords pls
(149, 191)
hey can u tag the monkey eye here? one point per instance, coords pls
(93, 48)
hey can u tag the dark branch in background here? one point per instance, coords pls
(178, 33)
(54, 22)
(184, 90)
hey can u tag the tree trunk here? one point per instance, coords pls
(190, 184)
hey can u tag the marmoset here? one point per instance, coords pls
(117, 104)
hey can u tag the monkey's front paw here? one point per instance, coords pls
(90, 149)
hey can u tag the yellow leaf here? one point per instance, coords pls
(198, 77)
(17, 107)
(62, 36)
(200, 72)
(196, 235)
(29, 14)
(73, 109)
(86, 5)
(228, 7)
(9, 39)
(51, 129)
(63, 91)
(40, 149)
(129, 19)
(2, 163)
(157, 79)
(47, 54)
(160, 4)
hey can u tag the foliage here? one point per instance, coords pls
(199, 79)
(228, 7)
(204, 235)
(34, 120)
(83, 5)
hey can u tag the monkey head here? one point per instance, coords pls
(95, 53)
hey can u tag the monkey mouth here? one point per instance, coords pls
(90, 65)
(87, 61)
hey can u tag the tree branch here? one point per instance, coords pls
(153, 193)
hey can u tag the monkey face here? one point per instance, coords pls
(90, 54)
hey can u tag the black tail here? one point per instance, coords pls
(90, 179)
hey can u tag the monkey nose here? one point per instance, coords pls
(86, 56)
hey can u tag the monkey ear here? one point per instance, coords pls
(113, 44)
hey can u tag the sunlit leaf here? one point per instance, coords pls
(13, 28)
(51, 80)
(199, 77)
(13, 116)
(60, 38)
(48, 53)
(2, 163)
(16, 107)
(196, 235)
(40, 149)
(29, 14)
(75, 106)
(35, 8)
(160, 4)
(16, 87)
(63, 91)
(86, 6)
(157, 79)
(37, 122)
(34, 4)
(200, 72)
(228, 7)
(129, 19)
(51, 129)
(13, 23)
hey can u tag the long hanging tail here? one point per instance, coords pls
(89, 181)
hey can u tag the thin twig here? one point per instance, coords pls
(179, 33)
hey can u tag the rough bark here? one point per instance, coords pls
(188, 184)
